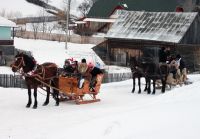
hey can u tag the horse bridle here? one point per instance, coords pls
(21, 64)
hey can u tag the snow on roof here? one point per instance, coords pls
(99, 20)
(80, 22)
(6, 23)
(155, 26)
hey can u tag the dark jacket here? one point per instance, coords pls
(182, 65)
(68, 68)
(95, 71)
(162, 56)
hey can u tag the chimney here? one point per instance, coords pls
(179, 9)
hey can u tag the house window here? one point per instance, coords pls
(5, 33)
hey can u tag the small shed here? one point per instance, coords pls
(6, 40)
(137, 33)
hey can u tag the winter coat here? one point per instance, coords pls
(182, 64)
(162, 56)
(82, 68)
(95, 71)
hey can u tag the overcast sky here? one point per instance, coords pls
(29, 9)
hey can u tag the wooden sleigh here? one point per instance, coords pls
(70, 91)
(171, 82)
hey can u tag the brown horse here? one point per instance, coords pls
(44, 73)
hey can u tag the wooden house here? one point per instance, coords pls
(100, 17)
(6, 40)
(139, 34)
(94, 24)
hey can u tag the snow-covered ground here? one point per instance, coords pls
(119, 115)
(53, 51)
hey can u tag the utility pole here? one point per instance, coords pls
(67, 22)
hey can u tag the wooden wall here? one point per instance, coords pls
(6, 42)
(118, 52)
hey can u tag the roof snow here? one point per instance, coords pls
(155, 26)
(99, 20)
(6, 23)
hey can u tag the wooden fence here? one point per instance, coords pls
(8, 80)
(60, 37)
(116, 77)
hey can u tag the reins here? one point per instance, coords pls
(38, 76)
(50, 86)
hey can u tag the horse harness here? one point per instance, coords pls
(41, 75)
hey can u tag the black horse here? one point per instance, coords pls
(44, 73)
(137, 72)
(155, 71)
(150, 70)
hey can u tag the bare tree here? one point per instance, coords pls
(43, 19)
(59, 31)
(35, 27)
(10, 14)
(50, 28)
(44, 15)
(3, 13)
(17, 14)
(84, 7)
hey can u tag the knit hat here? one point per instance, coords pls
(90, 65)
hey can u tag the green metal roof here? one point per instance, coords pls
(103, 8)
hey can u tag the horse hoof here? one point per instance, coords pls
(46, 103)
(28, 105)
(57, 104)
(34, 107)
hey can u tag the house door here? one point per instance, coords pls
(2, 60)
(1, 55)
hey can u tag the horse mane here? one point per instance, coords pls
(29, 61)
